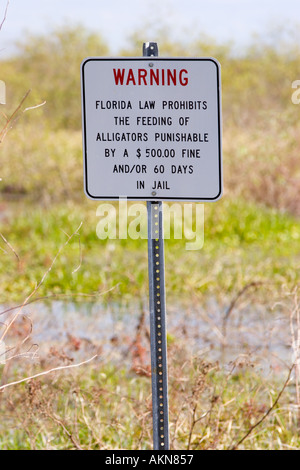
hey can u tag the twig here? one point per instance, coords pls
(34, 107)
(10, 121)
(267, 413)
(9, 245)
(28, 354)
(59, 296)
(295, 333)
(39, 285)
(80, 253)
(12, 118)
(234, 302)
(192, 426)
(67, 432)
(41, 374)
(5, 14)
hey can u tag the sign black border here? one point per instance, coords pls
(153, 59)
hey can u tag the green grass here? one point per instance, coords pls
(244, 242)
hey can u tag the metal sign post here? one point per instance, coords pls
(152, 132)
(158, 330)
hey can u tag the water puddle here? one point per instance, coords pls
(80, 330)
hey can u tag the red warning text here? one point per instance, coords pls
(151, 77)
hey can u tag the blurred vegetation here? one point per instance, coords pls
(254, 82)
(261, 125)
(251, 236)
(42, 165)
(50, 67)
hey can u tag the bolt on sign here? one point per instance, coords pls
(152, 128)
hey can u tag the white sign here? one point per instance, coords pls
(152, 128)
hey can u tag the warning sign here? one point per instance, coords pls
(152, 128)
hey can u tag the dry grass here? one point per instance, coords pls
(109, 407)
(262, 163)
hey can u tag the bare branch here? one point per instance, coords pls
(9, 245)
(10, 121)
(253, 284)
(235, 447)
(66, 431)
(5, 14)
(59, 296)
(38, 285)
(35, 107)
(12, 118)
(41, 374)
(80, 256)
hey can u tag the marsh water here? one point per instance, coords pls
(79, 330)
